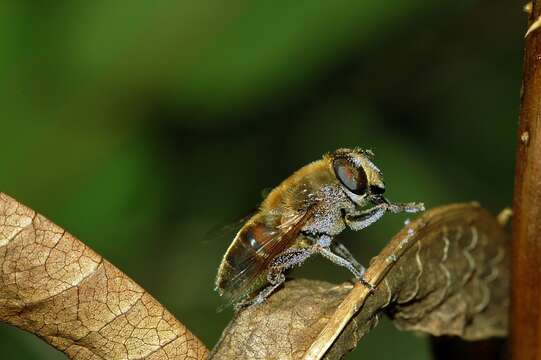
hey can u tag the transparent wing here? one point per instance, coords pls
(222, 232)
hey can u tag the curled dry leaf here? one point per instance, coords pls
(446, 273)
(54, 286)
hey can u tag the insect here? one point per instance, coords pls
(301, 217)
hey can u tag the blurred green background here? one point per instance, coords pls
(140, 126)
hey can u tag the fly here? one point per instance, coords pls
(302, 216)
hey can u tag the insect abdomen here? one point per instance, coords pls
(246, 257)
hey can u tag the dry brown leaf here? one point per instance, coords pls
(54, 286)
(446, 273)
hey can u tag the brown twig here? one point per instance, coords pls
(526, 296)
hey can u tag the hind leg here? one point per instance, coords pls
(286, 260)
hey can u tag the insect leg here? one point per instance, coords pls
(290, 258)
(338, 260)
(275, 278)
(410, 207)
(287, 259)
(365, 218)
(340, 250)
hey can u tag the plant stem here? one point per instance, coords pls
(526, 247)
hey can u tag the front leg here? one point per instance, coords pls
(411, 207)
(365, 218)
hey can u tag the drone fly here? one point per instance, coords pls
(301, 217)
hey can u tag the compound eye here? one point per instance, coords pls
(354, 179)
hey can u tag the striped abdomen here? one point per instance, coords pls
(243, 268)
